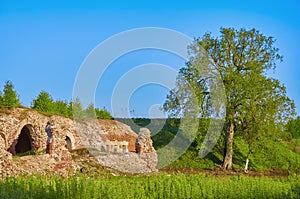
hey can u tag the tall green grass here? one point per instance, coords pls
(153, 186)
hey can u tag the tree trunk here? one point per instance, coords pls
(228, 151)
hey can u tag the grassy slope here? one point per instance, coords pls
(272, 155)
(282, 155)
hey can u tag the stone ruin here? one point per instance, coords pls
(23, 131)
(144, 147)
(144, 160)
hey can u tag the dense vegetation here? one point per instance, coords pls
(279, 152)
(153, 186)
(44, 103)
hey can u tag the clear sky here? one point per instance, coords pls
(43, 43)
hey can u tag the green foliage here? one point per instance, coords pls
(293, 127)
(293, 145)
(163, 130)
(10, 97)
(267, 154)
(61, 108)
(43, 103)
(255, 104)
(103, 114)
(77, 109)
(190, 160)
(276, 155)
(153, 186)
(90, 112)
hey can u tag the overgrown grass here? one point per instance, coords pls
(268, 155)
(153, 186)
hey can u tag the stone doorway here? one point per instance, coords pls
(24, 142)
(68, 143)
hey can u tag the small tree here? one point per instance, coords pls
(61, 108)
(103, 114)
(10, 97)
(90, 112)
(77, 110)
(43, 102)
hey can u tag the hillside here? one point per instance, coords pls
(270, 154)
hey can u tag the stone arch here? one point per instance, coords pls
(70, 141)
(23, 142)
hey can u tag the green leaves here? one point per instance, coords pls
(256, 104)
(43, 102)
(10, 97)
(103, 114)
(293, 127)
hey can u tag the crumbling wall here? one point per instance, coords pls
(89, 133)
(144, 147)
(115, 138)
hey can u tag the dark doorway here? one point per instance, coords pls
(68, 143)
(24, 141)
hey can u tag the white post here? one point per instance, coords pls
(246, 166)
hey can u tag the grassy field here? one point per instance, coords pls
(154, 186)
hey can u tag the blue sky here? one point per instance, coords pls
(43, 43)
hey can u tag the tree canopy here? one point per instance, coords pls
(255, 103)
(44, 103)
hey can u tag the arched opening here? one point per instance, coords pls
(24, 142)
(68, 143)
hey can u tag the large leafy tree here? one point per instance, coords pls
(10, 97)
(254, 102)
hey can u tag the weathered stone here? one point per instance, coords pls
(146, 150)
(144, 141)
(23, 130)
